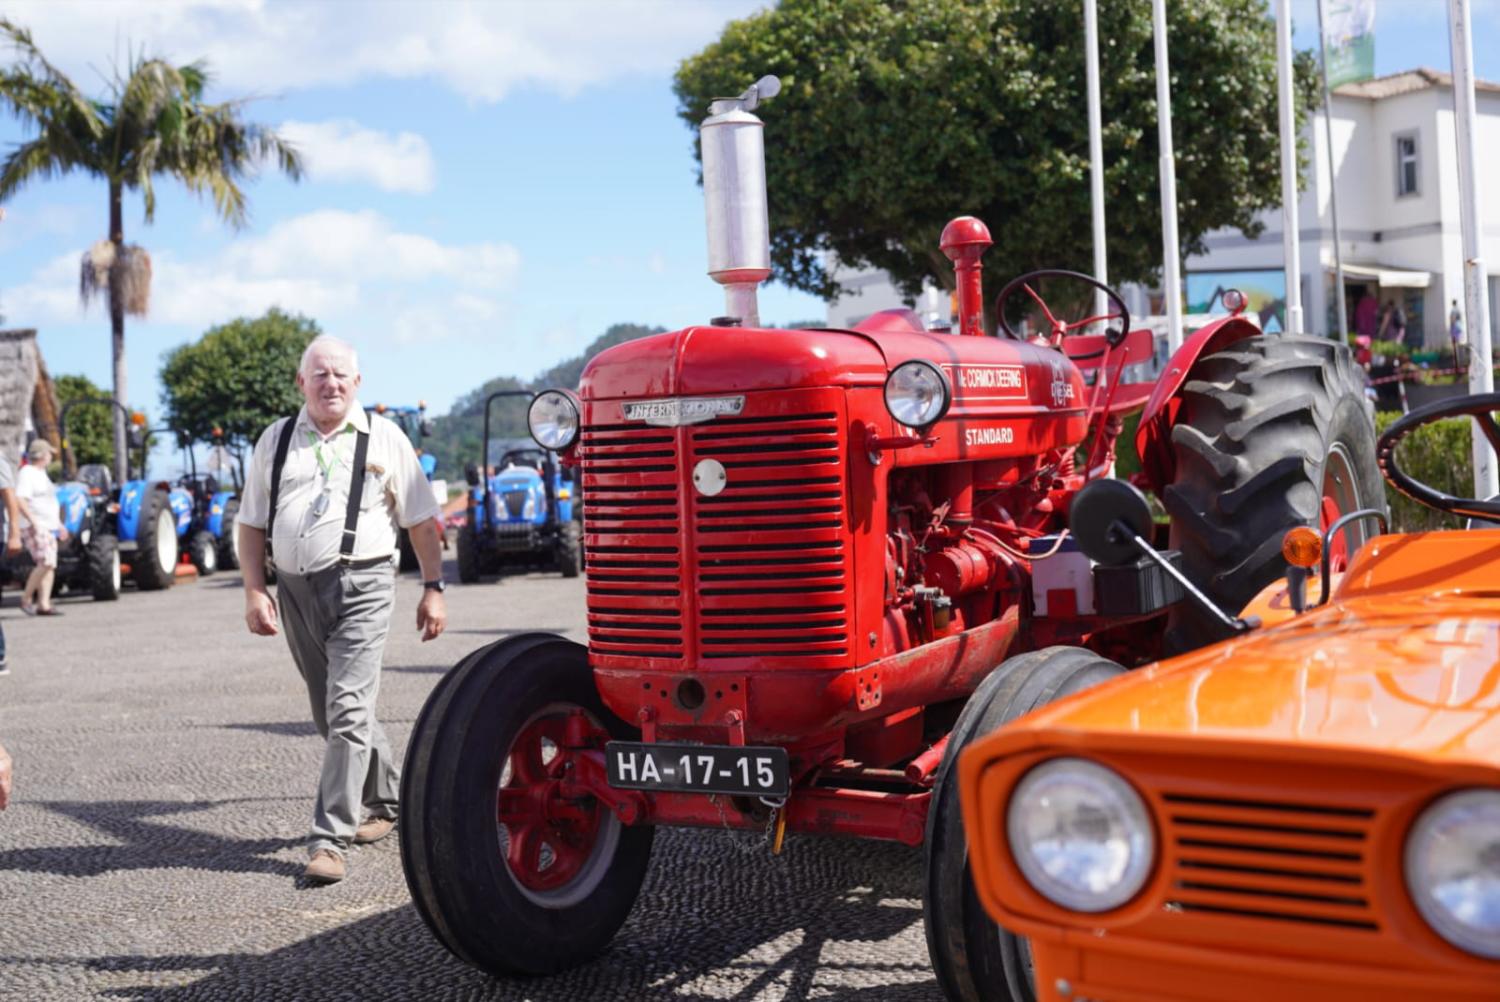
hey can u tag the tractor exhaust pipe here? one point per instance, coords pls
(734, 194)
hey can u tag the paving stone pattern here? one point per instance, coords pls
(165, 767)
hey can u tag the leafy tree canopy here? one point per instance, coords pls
(239, 376)
(896, 117)
(458, 435)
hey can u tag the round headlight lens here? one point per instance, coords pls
(1453, 869)
(917, 393)
(1081, 834)
(553, 420)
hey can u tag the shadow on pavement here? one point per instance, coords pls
(145, 844)
(684, 942)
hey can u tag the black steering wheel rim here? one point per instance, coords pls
(1481, 407)
(1112, 337)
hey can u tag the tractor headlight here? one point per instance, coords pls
(553, 419)
(1080, 834)
(1453, 869)
(917, 393)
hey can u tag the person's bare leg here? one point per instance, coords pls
(33, 581)
(44, 589)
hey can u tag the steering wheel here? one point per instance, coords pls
(1059, 329)
(1481, 407)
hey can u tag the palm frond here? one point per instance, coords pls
(133, 279)
(38, 90)
(93, 272)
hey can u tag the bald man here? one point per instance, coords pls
(331, 487)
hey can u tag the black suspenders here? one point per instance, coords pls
(356, 487)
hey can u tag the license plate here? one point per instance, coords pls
(698, 768)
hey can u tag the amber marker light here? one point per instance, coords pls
(138, 419)
(1302, 547)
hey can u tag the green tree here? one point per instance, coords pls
(457, 435)
(896, 117)
(89, 434)
(153, 122)
(238, 377)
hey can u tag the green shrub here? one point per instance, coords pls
(1438, 455)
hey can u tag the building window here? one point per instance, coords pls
(1406, 164)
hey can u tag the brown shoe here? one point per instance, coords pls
(326, 867)
(373, 830)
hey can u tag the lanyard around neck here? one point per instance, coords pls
(326, 466)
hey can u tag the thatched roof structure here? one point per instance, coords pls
(18, 375)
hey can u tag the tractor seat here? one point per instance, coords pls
(95, 476)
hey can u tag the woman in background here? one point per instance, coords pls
(43, 525)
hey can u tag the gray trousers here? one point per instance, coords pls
(336, 622)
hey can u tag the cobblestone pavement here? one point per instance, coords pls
(165, 767)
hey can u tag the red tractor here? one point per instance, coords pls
(806, 549)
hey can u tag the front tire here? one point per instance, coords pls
(229, 536)
(569, 550)
(974, 959)
(502, 884)
(155, 565)
(467, 553)
(104, 567)
(1274, 432)
(203, 548)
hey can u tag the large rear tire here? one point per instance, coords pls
(504, 883)
(1273, 432)
(974, 959)
(155, 564)
(104, 567)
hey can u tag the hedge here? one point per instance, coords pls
(1437, 455)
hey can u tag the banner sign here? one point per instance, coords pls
(1349, 47)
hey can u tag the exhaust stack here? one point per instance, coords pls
(734, 193)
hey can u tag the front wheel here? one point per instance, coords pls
(509, 874)
(229, 536)
(104, 567)
(467, 553)
(155, 561)
(974, 959)
(569, 550)
(203, 548)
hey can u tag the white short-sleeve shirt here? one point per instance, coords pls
(34, 487)
(396, 492)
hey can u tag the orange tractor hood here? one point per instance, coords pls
(1405, 659)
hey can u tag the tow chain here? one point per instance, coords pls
(774, 833)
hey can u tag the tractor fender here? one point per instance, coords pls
(216, 507)
(132, 496)
(73, 501)
(181, 503)
(1153, 435)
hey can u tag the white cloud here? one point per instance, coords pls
(479, 48)
(343, 150)
(329, 264)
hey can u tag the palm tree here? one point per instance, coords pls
(153, 122)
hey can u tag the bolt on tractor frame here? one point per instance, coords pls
(806, 549)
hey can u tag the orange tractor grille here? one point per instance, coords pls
(1291, 862)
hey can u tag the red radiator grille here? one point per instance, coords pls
(772, 564)
(633, 541)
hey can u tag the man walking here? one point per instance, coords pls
(325, 494)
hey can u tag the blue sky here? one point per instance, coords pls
(491, 185)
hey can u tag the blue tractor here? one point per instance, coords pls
(418, 427)
(204, 508)
(520, 511)
(89, 560)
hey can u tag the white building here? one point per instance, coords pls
(1397, 176)
(1396, 170)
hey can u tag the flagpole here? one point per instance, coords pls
(1290, 238)
(1096, 150)
(1333, 186)
(1171, 260)
(1476, 303)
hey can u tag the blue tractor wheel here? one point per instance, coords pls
(155, 563)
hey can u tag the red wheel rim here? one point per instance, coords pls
(548, 842)
(1340, 496)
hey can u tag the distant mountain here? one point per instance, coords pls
(457, 435)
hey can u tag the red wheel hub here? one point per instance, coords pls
(547, 838)
(1338, 550)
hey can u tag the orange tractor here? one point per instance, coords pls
(805, 549)
(1307, 811)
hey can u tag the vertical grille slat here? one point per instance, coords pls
(1270, 860)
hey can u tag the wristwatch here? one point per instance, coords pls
(438, 585)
